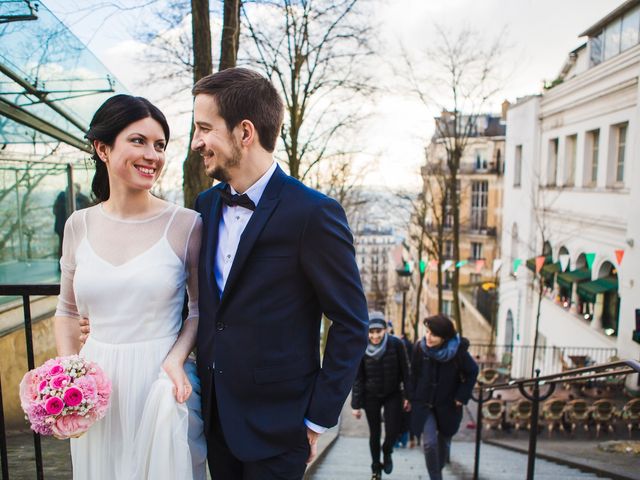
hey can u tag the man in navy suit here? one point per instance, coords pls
(275, 257)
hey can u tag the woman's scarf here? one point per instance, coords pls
(377, 351)
(444, 352)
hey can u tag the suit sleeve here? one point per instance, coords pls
(328, 261)
(469, 369)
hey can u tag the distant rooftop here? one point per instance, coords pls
(482, 125)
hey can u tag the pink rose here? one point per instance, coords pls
(56, 370)
(54, 406)
(60, 381)
(72, 396)
(72, 425)
(42, 385)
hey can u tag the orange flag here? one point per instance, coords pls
(539, 262)
(619, 255)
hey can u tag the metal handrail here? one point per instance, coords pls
(24, 291)
(485, 392)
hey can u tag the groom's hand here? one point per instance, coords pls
(313, 444)
(84, 329)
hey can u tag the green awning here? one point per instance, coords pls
(567, 279)
(589, 290)
(531, 263)
(550, 269)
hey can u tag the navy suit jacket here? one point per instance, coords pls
(259, 341)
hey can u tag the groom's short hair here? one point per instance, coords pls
(242, 94)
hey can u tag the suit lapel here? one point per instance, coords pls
(267, 204)
(212, 234)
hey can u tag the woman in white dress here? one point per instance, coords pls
(125, 265)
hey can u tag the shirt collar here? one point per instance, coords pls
(255, 191)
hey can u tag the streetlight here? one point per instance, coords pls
(404, 279)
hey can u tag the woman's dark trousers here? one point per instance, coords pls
(435, 447)
(392, 423)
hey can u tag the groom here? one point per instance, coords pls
(275, 257)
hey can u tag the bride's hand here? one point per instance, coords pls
(181, 385)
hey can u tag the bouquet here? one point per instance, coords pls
(65, 396)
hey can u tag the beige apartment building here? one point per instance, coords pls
(480, 188)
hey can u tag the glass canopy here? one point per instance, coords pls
(50, 83)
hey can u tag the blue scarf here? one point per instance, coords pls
(377, 351)
(444, 352)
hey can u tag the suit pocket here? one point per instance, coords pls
(284, 372)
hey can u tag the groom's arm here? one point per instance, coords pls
(328, 260)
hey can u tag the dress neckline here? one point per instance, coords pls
(142, 220)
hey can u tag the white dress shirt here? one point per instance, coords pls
(233, 221)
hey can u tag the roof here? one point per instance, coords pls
(621, 10)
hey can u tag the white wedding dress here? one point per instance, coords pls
(129, 278)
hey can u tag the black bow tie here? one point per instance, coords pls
(237, 200)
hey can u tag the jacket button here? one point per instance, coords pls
(220, 326)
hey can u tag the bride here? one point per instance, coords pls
(125, 264)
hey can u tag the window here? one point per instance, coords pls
(612, 39)
(630, 29)
(448, 249)
(517, 167)
(479, 202)
(481, 159)
(595, 49)
(474, 278)
(570, 160)
(621, 144)
(591, 158)
(447, 280)
(446, 307)
(552, 169)
(476, 250)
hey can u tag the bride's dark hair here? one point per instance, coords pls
(110, 119)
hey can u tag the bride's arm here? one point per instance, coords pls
(65, 323)
(174, 362)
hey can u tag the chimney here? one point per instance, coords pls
(505, 109)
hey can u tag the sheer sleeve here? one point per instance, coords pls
(192, 254)
(67, 300)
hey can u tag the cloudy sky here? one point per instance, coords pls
(539, 35)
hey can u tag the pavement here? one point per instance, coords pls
(344, 454)
(348, 458)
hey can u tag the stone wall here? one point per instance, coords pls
(13, 355)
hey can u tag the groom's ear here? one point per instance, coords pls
(248, 133)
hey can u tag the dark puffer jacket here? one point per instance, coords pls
(437, 385)
(383, 377)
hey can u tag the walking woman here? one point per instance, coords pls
(444, 374)
(380, 384)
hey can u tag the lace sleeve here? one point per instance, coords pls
(192, 255)
(67, 300)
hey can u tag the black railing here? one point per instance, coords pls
(515, 361)
(26, 292)
(530, 388)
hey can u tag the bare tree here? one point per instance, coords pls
(313, 51)
(462, 82)
(427, 232)
(230, 40)
(186, 57)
